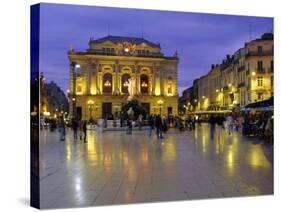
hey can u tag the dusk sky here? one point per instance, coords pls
(199, 39)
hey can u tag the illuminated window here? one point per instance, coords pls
(260, 96)
(144, 83)
(107, 83)
(169, 88)
(79, 88)
(260, 81)
(260, 66)
(125, 83)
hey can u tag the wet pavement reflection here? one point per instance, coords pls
(116, 168)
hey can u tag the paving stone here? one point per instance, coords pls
(115, 168)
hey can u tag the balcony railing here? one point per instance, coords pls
(270, 70)
(260, 70)
(259, 53)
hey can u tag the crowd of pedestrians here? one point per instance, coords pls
(258, 125)
(77, 126)
(81, 126)
(159, 123)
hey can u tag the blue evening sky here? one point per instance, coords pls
(200, 39)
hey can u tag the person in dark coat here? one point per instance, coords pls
(164, 124)
(74, 128)
(61, 125)
(159, 126)
(212, 122)
(85, 131)
(150, 124)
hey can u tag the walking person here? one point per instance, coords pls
(199, 120)
(212, 122)
(139, 121)
(193, 123)
(129, 126)
(150, 124)
(74, 128)
(61, 126)
(164, 124)
(85, 131)
(229, 123)
(159, 126)
(80, 126)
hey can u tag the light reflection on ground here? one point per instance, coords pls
(115, 168)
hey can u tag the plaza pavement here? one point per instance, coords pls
(116, 168)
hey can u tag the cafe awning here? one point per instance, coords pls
(265, 105)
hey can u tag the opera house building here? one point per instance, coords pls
(100, 76)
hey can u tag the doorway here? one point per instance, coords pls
(107, 110)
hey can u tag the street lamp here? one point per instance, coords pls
(75, 67)
(160, 103)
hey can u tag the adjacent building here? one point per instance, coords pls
(241, 78)
(53, 101)
(56, 99)
(99, 77)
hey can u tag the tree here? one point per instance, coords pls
(136, 106)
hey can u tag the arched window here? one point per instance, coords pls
(125, 82)
(144, 84)
(107, 83)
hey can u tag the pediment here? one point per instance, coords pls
(107, 43)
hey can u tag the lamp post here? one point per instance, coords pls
(75, 67)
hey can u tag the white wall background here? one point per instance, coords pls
(14, 102)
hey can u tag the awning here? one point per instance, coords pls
(209, 112)
(261, 104)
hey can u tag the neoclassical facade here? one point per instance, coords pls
(245, 77)
(99, 77)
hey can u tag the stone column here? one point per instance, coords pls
(88, 77)
(71, 89)
(97, 79)
(176, 81)
(137, 80)
(162, 75)
(93, 83)
(116, 87)
(150, 82)
(153, 80)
